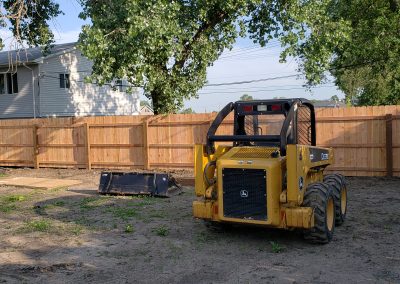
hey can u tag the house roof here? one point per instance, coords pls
(146, 109)
(33, 54)
(328, 103)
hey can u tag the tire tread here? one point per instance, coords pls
(316, 197)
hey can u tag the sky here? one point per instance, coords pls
(245, 62)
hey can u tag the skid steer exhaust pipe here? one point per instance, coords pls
(153, 184)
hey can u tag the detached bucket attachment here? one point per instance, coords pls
(153, 184)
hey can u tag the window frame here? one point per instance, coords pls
(10, 83)
(4, 91)
(64, 81)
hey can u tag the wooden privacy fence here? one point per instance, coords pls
(366, 140)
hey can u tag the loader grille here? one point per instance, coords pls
(245, 193)
(254, 152)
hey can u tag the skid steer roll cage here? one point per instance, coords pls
(288, 134)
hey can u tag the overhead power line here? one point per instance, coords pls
(252, 81)
(265, 90)
(240, 53)
(259, 74)
(243, 88)
(230, 83)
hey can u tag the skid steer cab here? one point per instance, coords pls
(269, 172)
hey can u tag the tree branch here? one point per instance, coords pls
(203, 28)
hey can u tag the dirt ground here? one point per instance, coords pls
(74, 235)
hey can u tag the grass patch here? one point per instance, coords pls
(40, 209)
(3, 175)
(76, 230)
(129, 229)
(82, 221)
(204, 237)
(14, 198)
(142, 196)
(143, 203)
(37, 226)
(123, 213)
(91, 202)
(86, 203)
(57, 189)
(8, 202)
(387, 228)
(161, 231)
(156, 215)
(6, 208)
(276, 248)
(143, 200)
(59, 203)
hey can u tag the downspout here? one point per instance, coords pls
(33, 91)
(39, 97)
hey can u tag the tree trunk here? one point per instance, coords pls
(394, 5)
(156, 100)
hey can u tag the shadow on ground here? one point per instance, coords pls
(77, 235)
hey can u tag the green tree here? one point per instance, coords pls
(187, 111)
(164, 46)
(358, 42)
(28, 21)
(246, 97)
(374, 40)
(334, 99)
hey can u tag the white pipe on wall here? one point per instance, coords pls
(33, 91)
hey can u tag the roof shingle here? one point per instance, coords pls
(30, 54)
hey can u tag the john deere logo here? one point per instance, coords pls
(244, 193)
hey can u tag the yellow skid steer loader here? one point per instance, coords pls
(271, 173)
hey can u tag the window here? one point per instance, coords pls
(12, 83)
(2, 84)
(64, 81)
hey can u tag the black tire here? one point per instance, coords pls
(339, 189)
(319, 196)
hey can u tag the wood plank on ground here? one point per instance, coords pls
(39, 183)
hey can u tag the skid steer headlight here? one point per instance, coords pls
(262, 108)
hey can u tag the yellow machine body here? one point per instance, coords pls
(286, 179)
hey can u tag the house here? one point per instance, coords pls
(36, 85)
(328, 103)
(146, 110)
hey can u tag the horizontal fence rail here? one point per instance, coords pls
(366, 140)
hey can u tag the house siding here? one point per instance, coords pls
(81, 98)
(20, 105)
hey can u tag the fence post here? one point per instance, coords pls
(35, 146)
(389, 145)
(146, 144)
(87, 145)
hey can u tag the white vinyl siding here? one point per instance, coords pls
(19, 102)
(80, 98)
